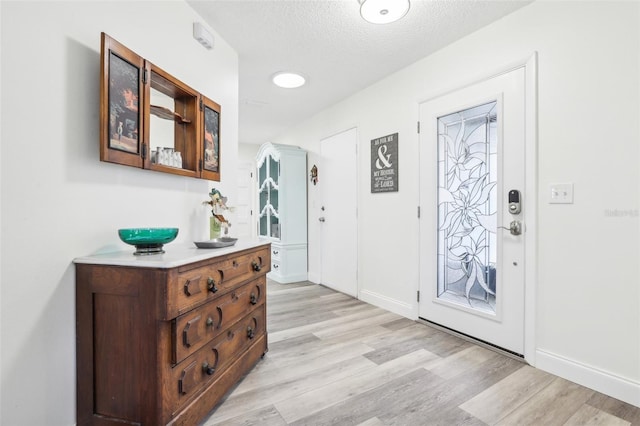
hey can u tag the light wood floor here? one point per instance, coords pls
(334, 360)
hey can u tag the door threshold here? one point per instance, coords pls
(484, 344)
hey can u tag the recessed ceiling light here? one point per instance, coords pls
(288, 80)
(383, 11)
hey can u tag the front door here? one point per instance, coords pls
(473, 201)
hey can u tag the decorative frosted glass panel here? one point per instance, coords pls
(262, 172)
(274, 169)
(273, 197)
(269, 216)
(467, 206)
(263, 225)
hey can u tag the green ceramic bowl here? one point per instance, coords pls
(148, 240)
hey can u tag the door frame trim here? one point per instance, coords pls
(530, 66)
(531, 188)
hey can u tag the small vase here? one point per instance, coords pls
(214, 228)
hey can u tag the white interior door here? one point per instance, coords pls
(337, 176)
(245, 227)
(472, 156)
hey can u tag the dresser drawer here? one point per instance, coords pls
(210, 361)
(275, 267)
(193, 287)
(276, 253)
(194, 329)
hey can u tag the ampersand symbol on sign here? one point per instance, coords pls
(383, 161)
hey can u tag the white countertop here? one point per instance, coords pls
(177, 254)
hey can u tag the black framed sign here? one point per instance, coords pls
(384, 164)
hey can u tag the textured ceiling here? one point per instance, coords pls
(332, 46)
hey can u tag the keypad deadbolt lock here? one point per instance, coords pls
(515, 205)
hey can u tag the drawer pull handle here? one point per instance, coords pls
(190, 334)
(211, 285)
(275, 252)
(276, 266)
(192, 287)
(209, 322)
(256, 266)
(253, 298)
(250, 332)
(208, 369)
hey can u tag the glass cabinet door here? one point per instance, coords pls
(274, 174)
(263, 196)
(269, 222)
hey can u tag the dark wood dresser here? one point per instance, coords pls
(162, 338)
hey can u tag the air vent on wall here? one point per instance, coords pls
(203, 36)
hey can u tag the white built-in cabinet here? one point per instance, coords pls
(282, 209)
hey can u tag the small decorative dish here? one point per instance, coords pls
(216, 243)
(148, 240)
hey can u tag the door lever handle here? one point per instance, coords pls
(515, 227)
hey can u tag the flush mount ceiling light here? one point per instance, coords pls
(383, 11)
(288, 80)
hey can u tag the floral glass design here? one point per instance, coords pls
(467, 207)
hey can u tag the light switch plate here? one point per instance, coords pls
(561, 193)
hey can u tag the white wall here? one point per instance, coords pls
(588, 296)
(58, 200)
(248, 152)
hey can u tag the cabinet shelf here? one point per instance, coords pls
(269, 210)
(167, 114)
(268, 185)
(266, 189)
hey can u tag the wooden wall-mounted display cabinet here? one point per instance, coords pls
(152, 120)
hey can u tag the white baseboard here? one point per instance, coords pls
(384, 302)
(609, 384)
(287, 279)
